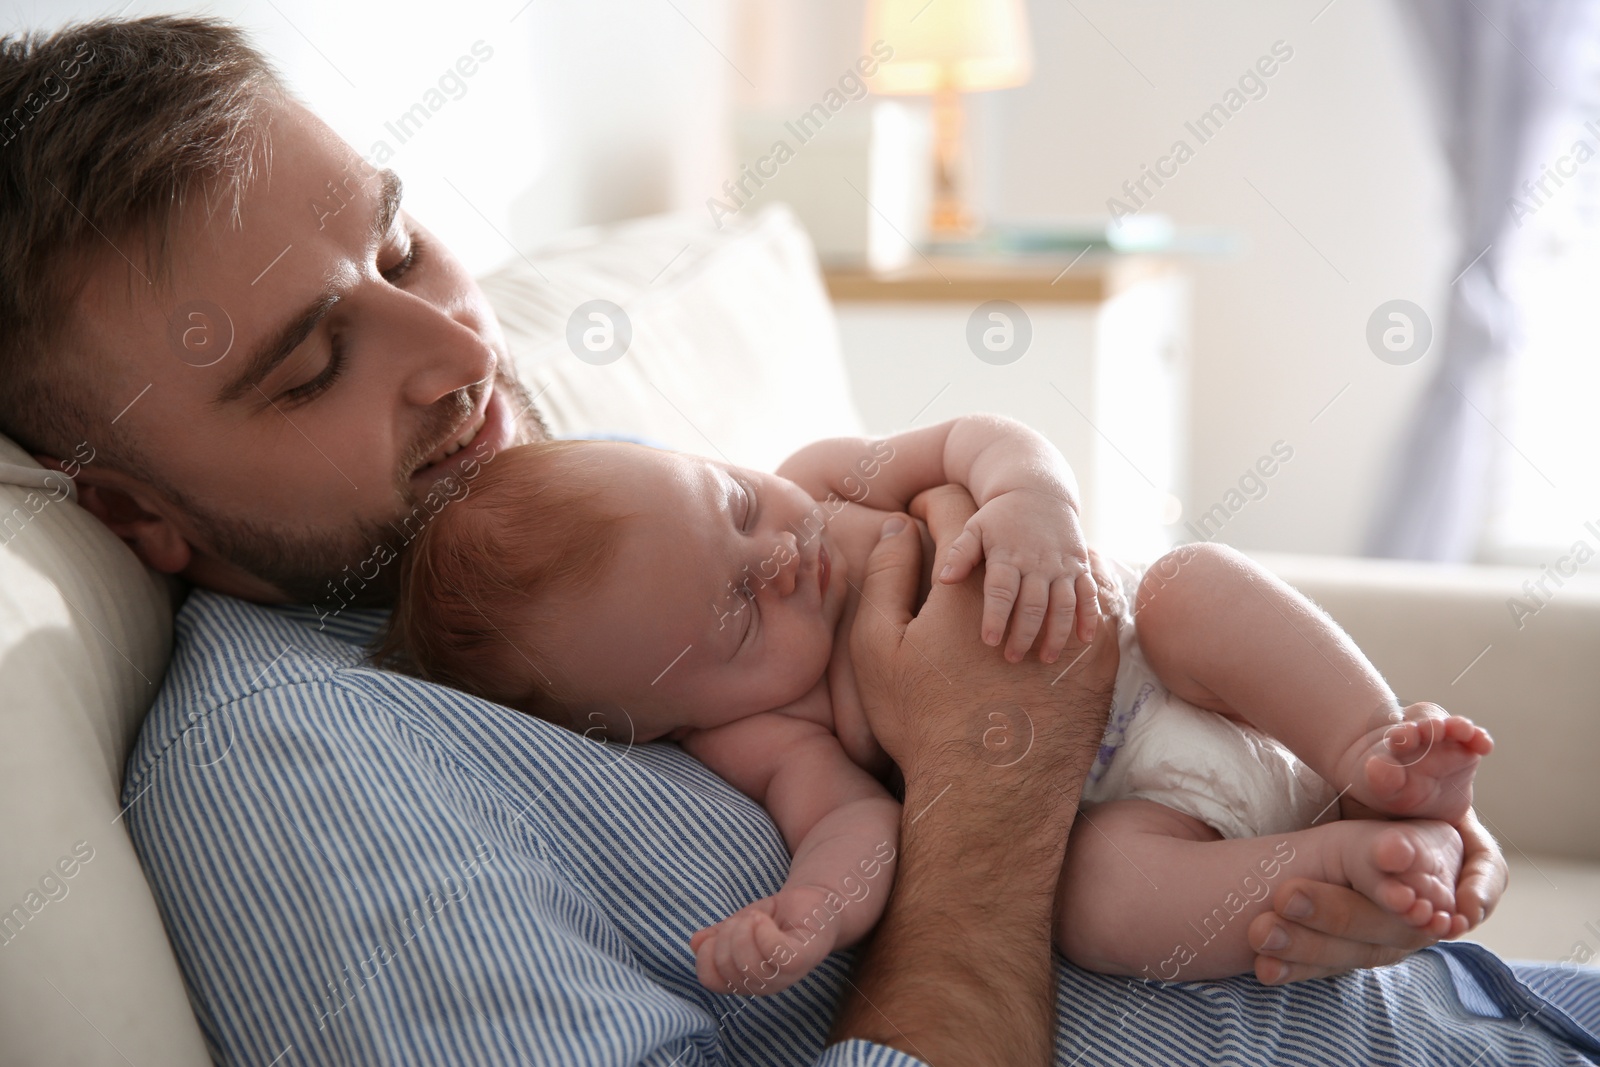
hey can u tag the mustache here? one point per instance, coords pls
(443, 418)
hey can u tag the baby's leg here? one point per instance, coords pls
(1150, 892)
(1224, 634)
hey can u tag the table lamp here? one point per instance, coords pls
(946, 48)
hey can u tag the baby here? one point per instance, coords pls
(644, 595)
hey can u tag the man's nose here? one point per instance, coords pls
(440, 355)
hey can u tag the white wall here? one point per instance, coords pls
(586, 112)
(1339, 145)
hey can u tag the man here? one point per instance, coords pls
(279, 371)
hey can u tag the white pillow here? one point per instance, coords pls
(86, 974)
(734, 353)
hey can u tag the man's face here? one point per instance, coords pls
(722, 601)
(297, 385)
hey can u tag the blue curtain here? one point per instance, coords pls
(1493, 68)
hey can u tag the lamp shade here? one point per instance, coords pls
(965, 45)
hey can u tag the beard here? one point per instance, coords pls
(319, 565)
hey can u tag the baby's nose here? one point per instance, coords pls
(786, 555)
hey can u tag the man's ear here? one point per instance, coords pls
(131, 510)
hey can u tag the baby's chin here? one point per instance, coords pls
(804, 681)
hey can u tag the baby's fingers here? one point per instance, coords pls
(733, 943)
(1088, 607)
(1000, 585)
(1060, 622)
(1033, 599)
(965, 553)
(751, 971)
(699, 936)
(705, 965)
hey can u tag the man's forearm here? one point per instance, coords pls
(994, 756)
(960, 968)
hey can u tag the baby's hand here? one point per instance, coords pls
(766, 947)
(1037, 572)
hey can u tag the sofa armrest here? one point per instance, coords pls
(1473, 640)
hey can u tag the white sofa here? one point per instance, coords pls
(733, 353)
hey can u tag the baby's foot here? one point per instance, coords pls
(1421, 768)
(1408, 867)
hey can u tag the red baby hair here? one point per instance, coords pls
(490, 572)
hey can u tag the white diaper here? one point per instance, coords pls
(1159, 747)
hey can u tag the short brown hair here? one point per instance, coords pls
(107, 130)
(477, 582)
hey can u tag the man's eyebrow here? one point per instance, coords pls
(388, 206)
(277, 347)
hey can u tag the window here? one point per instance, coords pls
(1547, 485)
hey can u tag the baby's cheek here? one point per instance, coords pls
(807, 656)
(787, 671)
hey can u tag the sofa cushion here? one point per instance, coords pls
(86, 974)
(734, 352)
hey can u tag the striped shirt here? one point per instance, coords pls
(356, 867)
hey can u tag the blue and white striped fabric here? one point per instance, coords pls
(359, 868)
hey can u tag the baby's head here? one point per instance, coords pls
(604, 584)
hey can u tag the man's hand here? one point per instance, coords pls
(1316, 929)
(1037, 568)
(993, 755)
(928, 688)
(1484, 876)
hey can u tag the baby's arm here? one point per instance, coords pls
(1026, 527)
(842, 828)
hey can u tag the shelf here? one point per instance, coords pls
(1093, 279)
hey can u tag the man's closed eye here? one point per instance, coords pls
(319, 384)
(415, 251)
(334, 367)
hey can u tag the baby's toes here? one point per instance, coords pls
(1385, 775)
(1424, 916)
(1407, 740)
(1393, 851)
(1441, 925)
(1420, 913)
(1437, 892)
(1395, 896)
(1470, 735)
